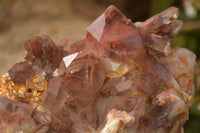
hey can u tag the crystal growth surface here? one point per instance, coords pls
(122, 77)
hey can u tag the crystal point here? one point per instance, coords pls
(21, 73)
(68, 59)
(97, 27)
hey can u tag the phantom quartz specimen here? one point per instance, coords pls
(122, 77)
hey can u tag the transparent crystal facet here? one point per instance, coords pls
(97, 27)
(69, 59)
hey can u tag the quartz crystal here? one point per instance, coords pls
(122, 77)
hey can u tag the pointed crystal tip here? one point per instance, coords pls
(69, 59)
(112, 14)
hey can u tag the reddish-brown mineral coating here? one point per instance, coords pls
(16, 117)
(43, 53)
(21, 72)
(123, 77)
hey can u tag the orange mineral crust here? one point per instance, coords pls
(122, 77)
(32, 92)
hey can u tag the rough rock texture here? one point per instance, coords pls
(21, 117)
(123, 77)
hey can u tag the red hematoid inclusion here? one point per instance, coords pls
(122, 77)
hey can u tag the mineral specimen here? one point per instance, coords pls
(123, 77)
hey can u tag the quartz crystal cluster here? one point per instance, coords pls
(122, 77)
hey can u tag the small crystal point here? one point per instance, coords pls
(176, 27)
(170, 15)
(69, 59)
(97, 27)
(20, 73)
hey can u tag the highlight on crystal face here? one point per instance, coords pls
(122, 77)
